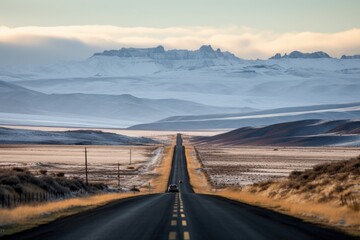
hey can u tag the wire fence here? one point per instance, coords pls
(12, 200)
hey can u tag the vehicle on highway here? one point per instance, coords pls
(180, 181)
(173, 188)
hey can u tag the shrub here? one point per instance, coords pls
(18, 169)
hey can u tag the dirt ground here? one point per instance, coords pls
(238, 166)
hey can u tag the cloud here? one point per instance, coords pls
(51, 44)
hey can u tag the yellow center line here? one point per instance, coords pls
(186, 236)
(172, 235)
(184, 223)
(173, 222)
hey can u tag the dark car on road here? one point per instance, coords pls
(173, 188)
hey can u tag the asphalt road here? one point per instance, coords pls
(179, 216)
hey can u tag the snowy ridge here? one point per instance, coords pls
(78, 137)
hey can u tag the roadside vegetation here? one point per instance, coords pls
(19, 181)
(328, 193)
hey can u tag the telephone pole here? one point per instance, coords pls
(130, 156)
(118, 174)
(86, 168)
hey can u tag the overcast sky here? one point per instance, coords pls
(47, 31)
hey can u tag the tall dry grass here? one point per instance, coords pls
(22, 214)
(328, 212)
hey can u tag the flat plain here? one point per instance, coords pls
(239, 166)
(70, 159)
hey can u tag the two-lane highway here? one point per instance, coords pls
(183, 215)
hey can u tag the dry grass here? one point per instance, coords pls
(24, 213)
(28, 216)
(159, 183)
(272, 194)
(197, 175)
(327, 214)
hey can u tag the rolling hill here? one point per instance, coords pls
(78, 137)
(298, 133)
(99, 109)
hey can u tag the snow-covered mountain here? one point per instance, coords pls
(298, 54)
(160, 55)
(357, 56)
(126, 62)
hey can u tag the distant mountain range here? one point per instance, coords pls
(101, 90)
(114, 110)
(299, 133)
(161, 55)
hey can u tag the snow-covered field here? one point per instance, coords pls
(234, 166)
(260, 84)
(102, 161)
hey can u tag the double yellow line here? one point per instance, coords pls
(178, 210)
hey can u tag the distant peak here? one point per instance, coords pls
(159, 49)
(298, 54)
(206, 48)
(357, 56)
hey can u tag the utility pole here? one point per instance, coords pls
(86, 168)
(130, 156)
(118, 174)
